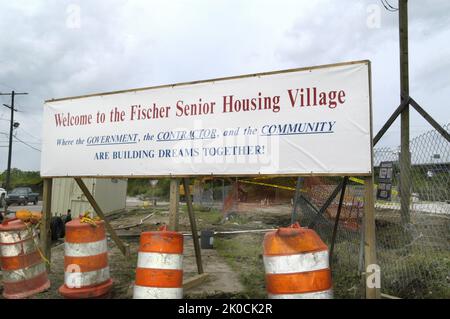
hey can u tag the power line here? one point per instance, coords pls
(29, 134)
(25, 143)
(14, 135)
(6, 86)
(388, 6)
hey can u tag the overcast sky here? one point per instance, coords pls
(56, 48)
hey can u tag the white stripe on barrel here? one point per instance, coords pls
(327, 294)
(140, 292)
(23, 248)
(24, 273)
(85, 249)
(83, 279)
(296, 263)
(159, 261)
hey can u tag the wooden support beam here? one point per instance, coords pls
(370, 256)
(430, 120)
(198, 253)
(390, 121)
(336, 222)
(294, 208)
(308, 202)
(386, 296)
(195, 281)
(45, 231)
(174, 198)
(124, 248)
(327, 204)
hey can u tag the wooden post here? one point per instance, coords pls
(198, 253)
(405, 156)
(370, 250)
(174, 198)
(370, 256)
(294, 207)
(336, 222)
(124, 248)
(45, 231)
(223, 195)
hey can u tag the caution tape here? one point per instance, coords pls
(85, 218)
(31, 230)
(271, 185)
(357, 180)
(353, 179)
(360, 181)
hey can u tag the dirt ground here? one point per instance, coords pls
(222, 280)
(235, 265)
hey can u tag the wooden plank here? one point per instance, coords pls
(368, 231)
(124, 248)
(198, 253)
(386, 296)
(336, 222)
(405, 155)
(45, 231)
(298, 186)
(390, 121)
(174, 198)
(430, 120)
(195, 281)
(370, 256)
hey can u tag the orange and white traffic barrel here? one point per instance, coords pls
(23, 268)
(159, 272)
(86, 269)
(296, 264)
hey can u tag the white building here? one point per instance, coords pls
(110, 194)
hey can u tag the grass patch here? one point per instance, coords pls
(346, 278)
(416, 274)
(237, 219)
(244, 255)
(205, 216)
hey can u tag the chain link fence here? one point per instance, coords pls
(415, 256)
(347, 258)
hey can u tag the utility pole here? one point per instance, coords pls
(11, 107)
(405, 155)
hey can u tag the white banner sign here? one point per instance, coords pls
(294, 122)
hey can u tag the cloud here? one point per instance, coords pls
(59, 48)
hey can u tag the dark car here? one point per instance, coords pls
(22, 196)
